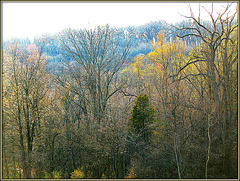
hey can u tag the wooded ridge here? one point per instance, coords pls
(153, 101)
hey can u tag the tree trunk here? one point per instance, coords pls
(209, 147)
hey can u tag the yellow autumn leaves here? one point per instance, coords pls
(165, 59)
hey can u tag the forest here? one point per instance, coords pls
(157, 101)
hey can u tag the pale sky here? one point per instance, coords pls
(34, 19)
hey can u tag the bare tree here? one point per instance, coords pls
(216, 36)
(28, 79)
(212, 34)
(97, 55)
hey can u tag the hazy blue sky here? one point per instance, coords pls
(33, 19)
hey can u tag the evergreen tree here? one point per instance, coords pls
(142, 116)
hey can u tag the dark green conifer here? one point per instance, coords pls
(143, 115)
